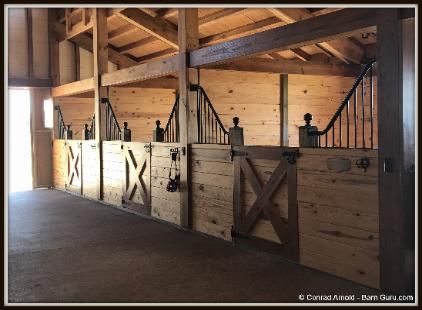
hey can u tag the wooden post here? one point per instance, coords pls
(100, 51)
(396, 144)
(77, 62)
(284, 137)
(188, 40)
(53, 43)
(28, 14)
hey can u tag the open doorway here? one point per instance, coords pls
(20, 150)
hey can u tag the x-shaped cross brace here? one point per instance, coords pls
(73, 167)
(263, 195)
(135, 171)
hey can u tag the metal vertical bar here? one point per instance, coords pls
(363, 111)
(334, 125)
(205, 121)
(197, 113)
(355, 116)
(326, 139)
(347, 130)
(340, 130)
(371, 105)
(209, 124)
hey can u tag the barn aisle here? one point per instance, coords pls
(63, 248)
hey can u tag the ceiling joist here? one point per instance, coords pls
(343, 49)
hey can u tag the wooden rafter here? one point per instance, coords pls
(345, 50)
(155, 55)
(125, 29)
(127, 47)
(216, 16)
(246, 29)
(306, 32)
(283, 66)
(159, 28)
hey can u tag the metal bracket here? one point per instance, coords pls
(291, 156)
(147, 148)
(363, 163)
(173, 153)
(237, 234)
(234, 153)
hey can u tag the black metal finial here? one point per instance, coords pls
(308, 118)
(235, 121)
(125, 124)
(68, 127)
(157, 122)
(86, 126)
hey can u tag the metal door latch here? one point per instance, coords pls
(291, 156)
(147, 148)
(234, 153)
(363, 163)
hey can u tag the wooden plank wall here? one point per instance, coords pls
(59, 164)
(212, 190)
(164, 205)
(113, 172)
(141, 107)
(253, 97)
(339, 232)
(18, 43)
(321, 96)
(77, 112)
(89, 171)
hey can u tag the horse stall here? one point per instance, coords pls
(284, 161)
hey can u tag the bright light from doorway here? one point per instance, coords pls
(20, 150)
(48, 113)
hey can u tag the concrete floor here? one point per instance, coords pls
(64, 248)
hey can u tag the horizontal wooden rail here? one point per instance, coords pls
(145, 71)
(73, 88)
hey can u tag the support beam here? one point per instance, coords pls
(16, 82)
(188, 41)
(343, 49)
(125, 29)
(161, 29)
(284, 117)
(288, 67)
(216, 16)
(162, 83)
(28, 15)
(100, 51)
(396, 144)
(159, 54)
(73, 88)
(127, 47)
(242, 30)
(318, 29)
(141, 72)
(77, 62)
(53, 48)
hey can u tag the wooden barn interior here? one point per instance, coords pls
(256, 153)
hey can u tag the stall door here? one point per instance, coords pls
(265, 203)
(136, 181)
(74, 166)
